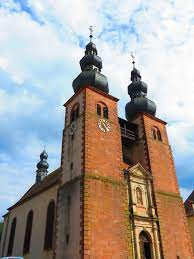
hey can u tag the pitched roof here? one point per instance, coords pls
(188, 204)
(50, 180)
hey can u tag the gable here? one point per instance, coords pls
(139, 171)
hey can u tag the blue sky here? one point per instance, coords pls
(41, 43)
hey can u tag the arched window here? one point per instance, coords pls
(145, 245)
(11, 237)
(28, 232)
(75, 112)
(102, 110)
(156, 134)
(143, 237)
(49, 230)
(139, 196)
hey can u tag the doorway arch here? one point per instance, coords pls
(145, 245)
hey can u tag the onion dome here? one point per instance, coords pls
(91, 65)
(42, 167)
(91, 48)
(43, 155)
(137, 91)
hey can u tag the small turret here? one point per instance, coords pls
(137, 91)
(42, 167)
(91, 65)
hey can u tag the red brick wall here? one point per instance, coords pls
(102, 150)
(173, 225)
(106, 228)
(160, 156)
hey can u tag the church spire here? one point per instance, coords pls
(42, 166)
(91, 65)
(137, 91)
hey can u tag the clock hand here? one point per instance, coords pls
(103, 126)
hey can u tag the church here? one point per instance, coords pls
(115, 195)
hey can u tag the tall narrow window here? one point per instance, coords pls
(49, 230)
(102, 110)
(67, 221)
(75, 112)
(105, 112)
(159, 135)
(154, 133)
(139, 196)
(145, 245)
(98, 109)
(11, 237)
(27, 239)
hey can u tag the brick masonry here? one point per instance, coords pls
(99, 207)
(106, 228)
(96, 185)
(172, 219)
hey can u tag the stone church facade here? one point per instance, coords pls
(115, 194)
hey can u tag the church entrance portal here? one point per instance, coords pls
(145, 245)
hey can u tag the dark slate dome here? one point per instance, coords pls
(43, 155)
(137, 91)
(93, 78)
(43, 164)
(139, 104)
(91, 47)
(88, 60)
(91, 65)
(135, 73)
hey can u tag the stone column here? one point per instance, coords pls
(137, 243)
(156, 242)
(150, 193)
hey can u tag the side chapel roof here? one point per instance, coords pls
(50, 180)
(188, 204)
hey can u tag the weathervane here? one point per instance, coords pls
(91, 32)
(133, 58)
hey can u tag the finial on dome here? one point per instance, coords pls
(137, 91)
(42, 166)
(135, 73)
(91, 65)
(133, 59)
(91, 32)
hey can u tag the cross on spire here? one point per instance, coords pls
(133, 58)
(91, 32)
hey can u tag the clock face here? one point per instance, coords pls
(104, 125)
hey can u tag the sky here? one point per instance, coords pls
(41, 43)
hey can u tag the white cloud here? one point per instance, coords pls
(15, 103)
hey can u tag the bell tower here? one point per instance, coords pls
(153, 151)
(92, 213)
